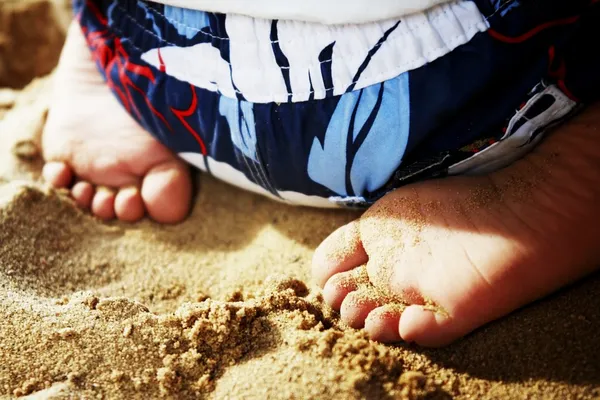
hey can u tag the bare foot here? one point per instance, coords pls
(92, 146)
(445, 257)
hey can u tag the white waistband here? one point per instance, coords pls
(321, 11)
(358, 55)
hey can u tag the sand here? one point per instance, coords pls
(221, 306)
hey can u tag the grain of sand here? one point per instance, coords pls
(222, 306)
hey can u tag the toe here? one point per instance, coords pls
(357, 305)
(83, 193)
(57, 174)
(383, 322)
(338, 287)
(167, 192)
(340, 252)
(129, 205)
(103, 204)
(427, 328)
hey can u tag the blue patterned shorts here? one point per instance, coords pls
(329, 115)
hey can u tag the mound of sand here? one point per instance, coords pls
(222, 306)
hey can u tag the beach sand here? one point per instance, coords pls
(220, 306)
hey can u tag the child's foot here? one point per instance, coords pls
(92, 146)
(463, 251)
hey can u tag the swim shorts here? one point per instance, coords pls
(329, 115)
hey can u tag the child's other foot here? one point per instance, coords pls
(463, 251)
(92, 146)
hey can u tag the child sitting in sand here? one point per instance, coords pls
(354, 105)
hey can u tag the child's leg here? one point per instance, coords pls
(474, 248)
(89, 136)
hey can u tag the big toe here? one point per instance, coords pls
(167, 192)
(340, 252)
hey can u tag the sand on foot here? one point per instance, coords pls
(221, 306)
